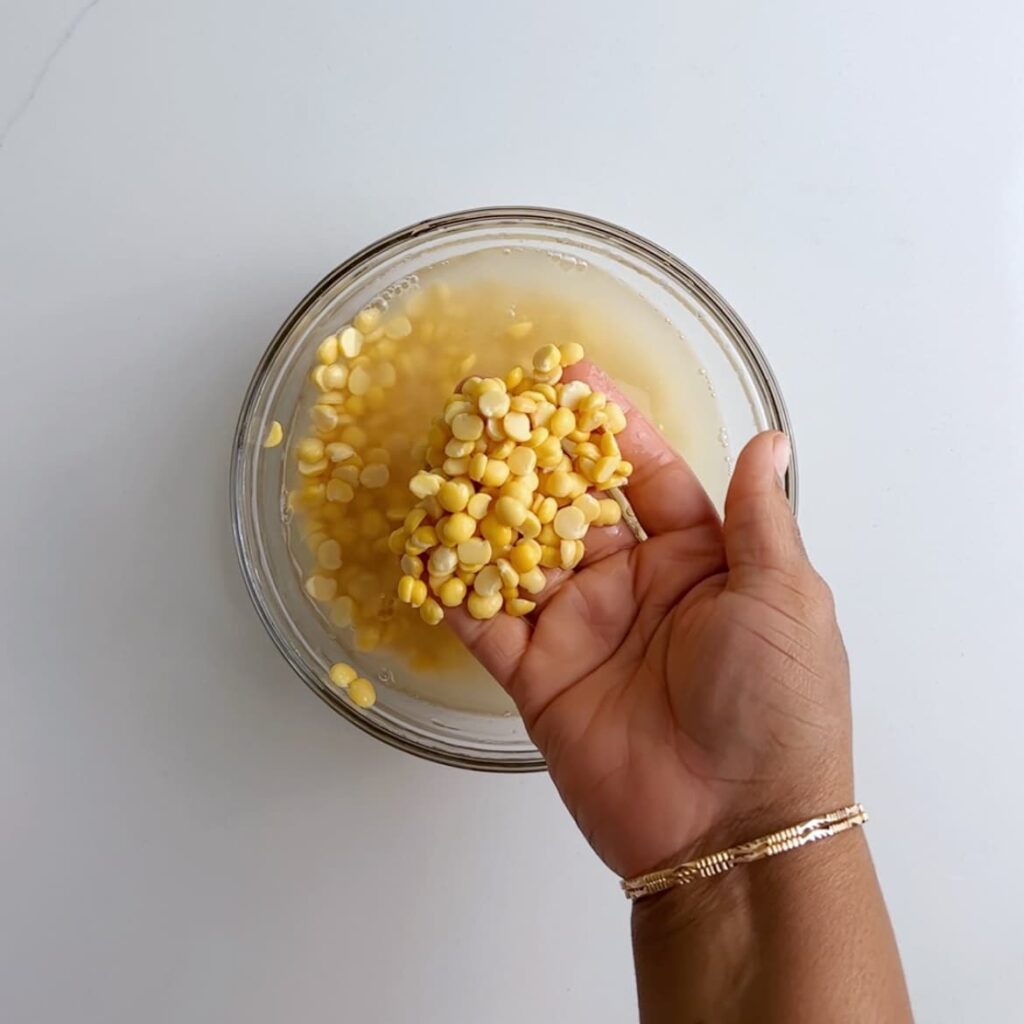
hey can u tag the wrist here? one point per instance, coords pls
(740, 817)
(742, 894)
(719, 945)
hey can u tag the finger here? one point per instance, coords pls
(498, 644)
(601, 543)
(760, 529)
(604, 541)
(582, 626)
(664, 492)
(554, 580)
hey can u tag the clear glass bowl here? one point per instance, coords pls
(746, 391)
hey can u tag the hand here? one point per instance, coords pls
(691, 691)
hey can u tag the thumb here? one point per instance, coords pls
(760, 529)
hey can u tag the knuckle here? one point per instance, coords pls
(810, 596)
(819, 601)
(820, 591)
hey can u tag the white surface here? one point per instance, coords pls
(188, 834)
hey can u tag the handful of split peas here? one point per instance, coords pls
(506, 483)
(512, 467)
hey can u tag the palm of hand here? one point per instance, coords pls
(637, 686)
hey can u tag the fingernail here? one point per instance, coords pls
(781, 451)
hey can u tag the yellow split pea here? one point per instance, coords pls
(511, 465)
(360, 691)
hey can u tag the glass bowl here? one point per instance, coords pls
(728, 358)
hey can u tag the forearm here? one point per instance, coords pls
(802, 936)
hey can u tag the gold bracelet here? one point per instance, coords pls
(791, 838)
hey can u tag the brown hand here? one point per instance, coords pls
(692, 689)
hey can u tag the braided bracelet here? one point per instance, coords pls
(822, 827)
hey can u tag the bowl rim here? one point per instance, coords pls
(551, 217)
